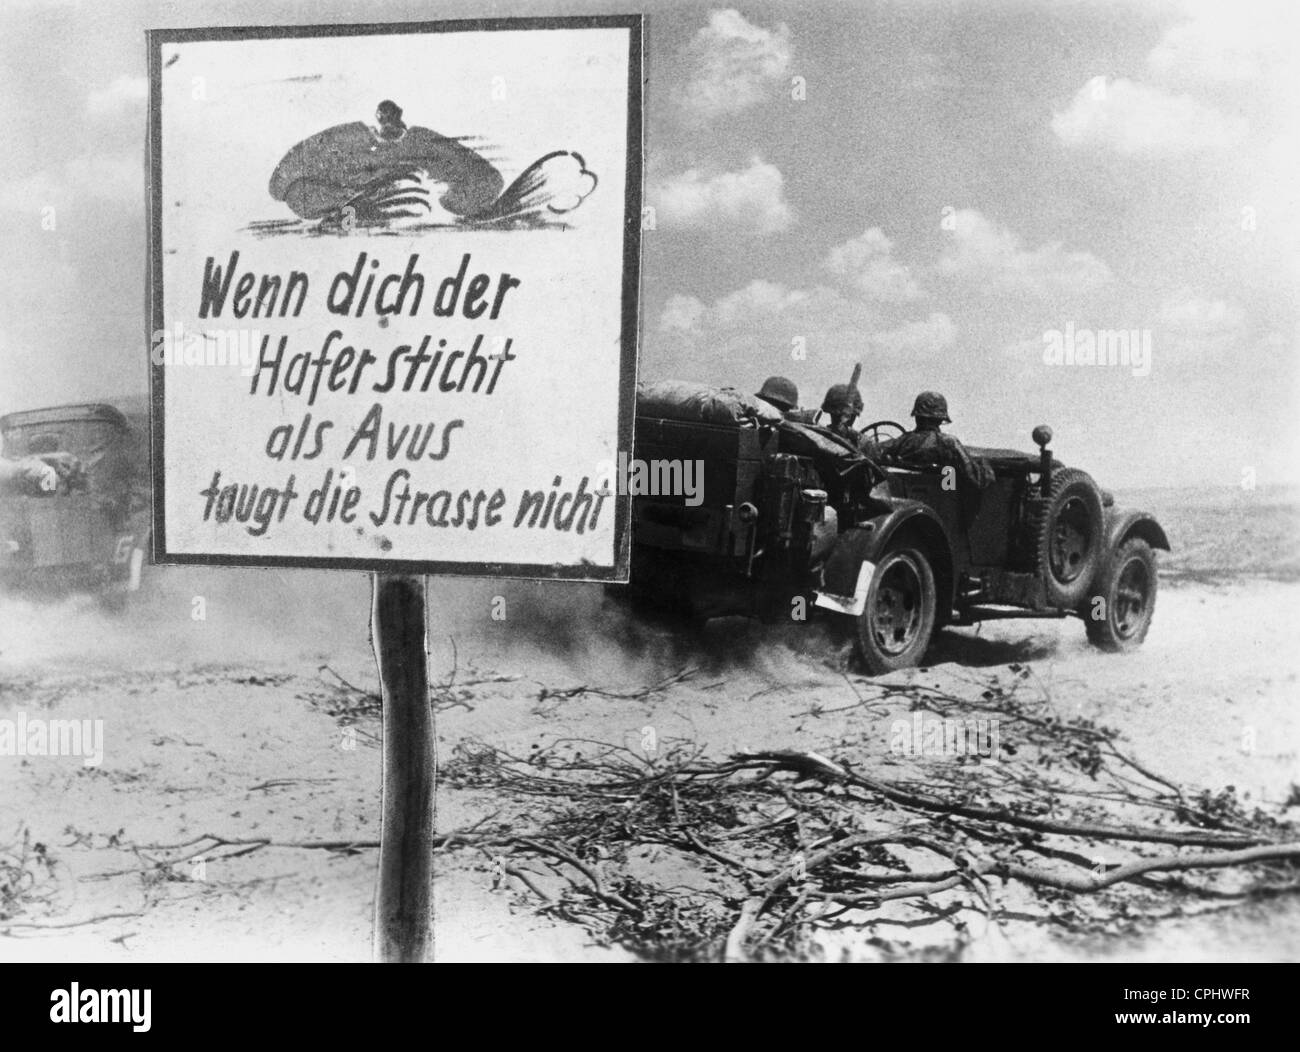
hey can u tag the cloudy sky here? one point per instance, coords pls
(931, 189)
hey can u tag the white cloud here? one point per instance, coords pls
(995, 259)
(125, 93)
(761, 303)
(752, 200)
(734, 65)
(1225, 43)
(772, 311)
(762, 300)
(867, 262)
(1192, 326)
(917, 338)
(681, 314)
(1140, 120)
(1192, 315)
(867, 307)
(103, 177)
(1275, 196)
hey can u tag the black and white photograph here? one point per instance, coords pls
(598, 483)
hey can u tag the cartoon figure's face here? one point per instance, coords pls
(389, 118)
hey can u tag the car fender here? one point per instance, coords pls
(1125, 524)
(846, 576)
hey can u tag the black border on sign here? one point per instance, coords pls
(619, 572)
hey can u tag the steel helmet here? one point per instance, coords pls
(780, 392)
(931, 405)
(841, 397)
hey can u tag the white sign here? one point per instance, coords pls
(394, 279)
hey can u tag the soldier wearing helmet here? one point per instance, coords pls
(926, 446)
(784, 395)
(780, 392)
(843, 404)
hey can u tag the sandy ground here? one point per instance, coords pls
(196, 742)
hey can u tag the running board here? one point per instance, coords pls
(975, 614)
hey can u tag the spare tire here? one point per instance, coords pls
(1068, 528)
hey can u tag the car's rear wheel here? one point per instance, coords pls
(1118, 612)
(1069, 535)
(895, 626)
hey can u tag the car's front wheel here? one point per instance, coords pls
(1123, 598)
(895, 626)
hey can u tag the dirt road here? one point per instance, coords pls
(197, 741)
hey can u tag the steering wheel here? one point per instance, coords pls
(874, 431)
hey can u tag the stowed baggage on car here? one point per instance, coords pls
(790, 516)
(764, 516)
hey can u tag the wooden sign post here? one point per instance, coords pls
(393, 328)
(403, 918)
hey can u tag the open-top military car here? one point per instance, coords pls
(790, 515)
(91, 531)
